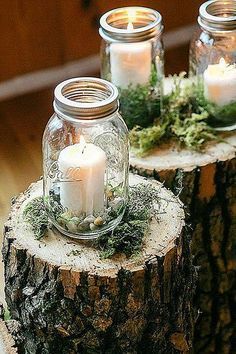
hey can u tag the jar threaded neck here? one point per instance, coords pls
(146, 24)
(85, 98)
(218, 15)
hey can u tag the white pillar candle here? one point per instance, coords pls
(220, 83)
(130, 62)
(83, 169)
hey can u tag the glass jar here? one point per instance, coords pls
(86, 159)
(132, 59)
(213, 61)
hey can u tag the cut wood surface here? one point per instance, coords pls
(170, 156)
(206, 183)
(67, 298)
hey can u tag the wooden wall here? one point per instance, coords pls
(38, 34)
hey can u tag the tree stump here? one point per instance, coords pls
(69, 300)
(206, 183)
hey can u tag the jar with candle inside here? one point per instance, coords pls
(132, 59)
(86, 159)
(213, 62)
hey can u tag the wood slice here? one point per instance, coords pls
(69, 300)
(206, 183)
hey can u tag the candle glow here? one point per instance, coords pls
(220, 83)
(130, 26)
(131, 18)
(125, 59)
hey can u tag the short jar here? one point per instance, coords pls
(86, 159)
(132, 59)
(213, 61)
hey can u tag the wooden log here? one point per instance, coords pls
(69, 300)
(206, 183)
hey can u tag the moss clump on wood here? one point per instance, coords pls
(36, 215)
(128, 236)
(186, 116)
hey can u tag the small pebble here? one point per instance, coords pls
(75, 220)
(61, 222)
(109, 194)
(83, 226)
(93, 227)
(71, 226)
(98, 221)
(90, 219)
(67, 215)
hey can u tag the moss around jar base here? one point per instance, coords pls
(139, 105)
(224, 118)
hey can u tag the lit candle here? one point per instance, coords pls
(130, 62)
(82, 167)
(220, 83)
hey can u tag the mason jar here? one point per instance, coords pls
(132, 59)
(85, 159)
(213, 61)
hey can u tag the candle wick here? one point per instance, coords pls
(130, 26)
(83, 149)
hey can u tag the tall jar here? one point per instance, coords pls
(213, 61)
(132, 59)
(86, 159)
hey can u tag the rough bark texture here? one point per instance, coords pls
(206, 183)
(70, 301)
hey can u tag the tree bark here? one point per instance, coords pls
(69, 300)
(206, 183)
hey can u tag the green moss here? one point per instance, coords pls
(36, 215)
(7, 315)
(144, 140)
(140, 104)
(186, 115)
(225, 114)
(127, 238)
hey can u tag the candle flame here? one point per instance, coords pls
(130, 26)
(223, 68)
(131, 19)
(222, 62)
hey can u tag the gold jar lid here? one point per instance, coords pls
(218, 16)
(146, 24)
(85, 98)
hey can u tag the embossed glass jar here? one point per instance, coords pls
(132, 59)
(213, 61)
(86, 159)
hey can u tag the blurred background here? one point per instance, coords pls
(44, 42)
